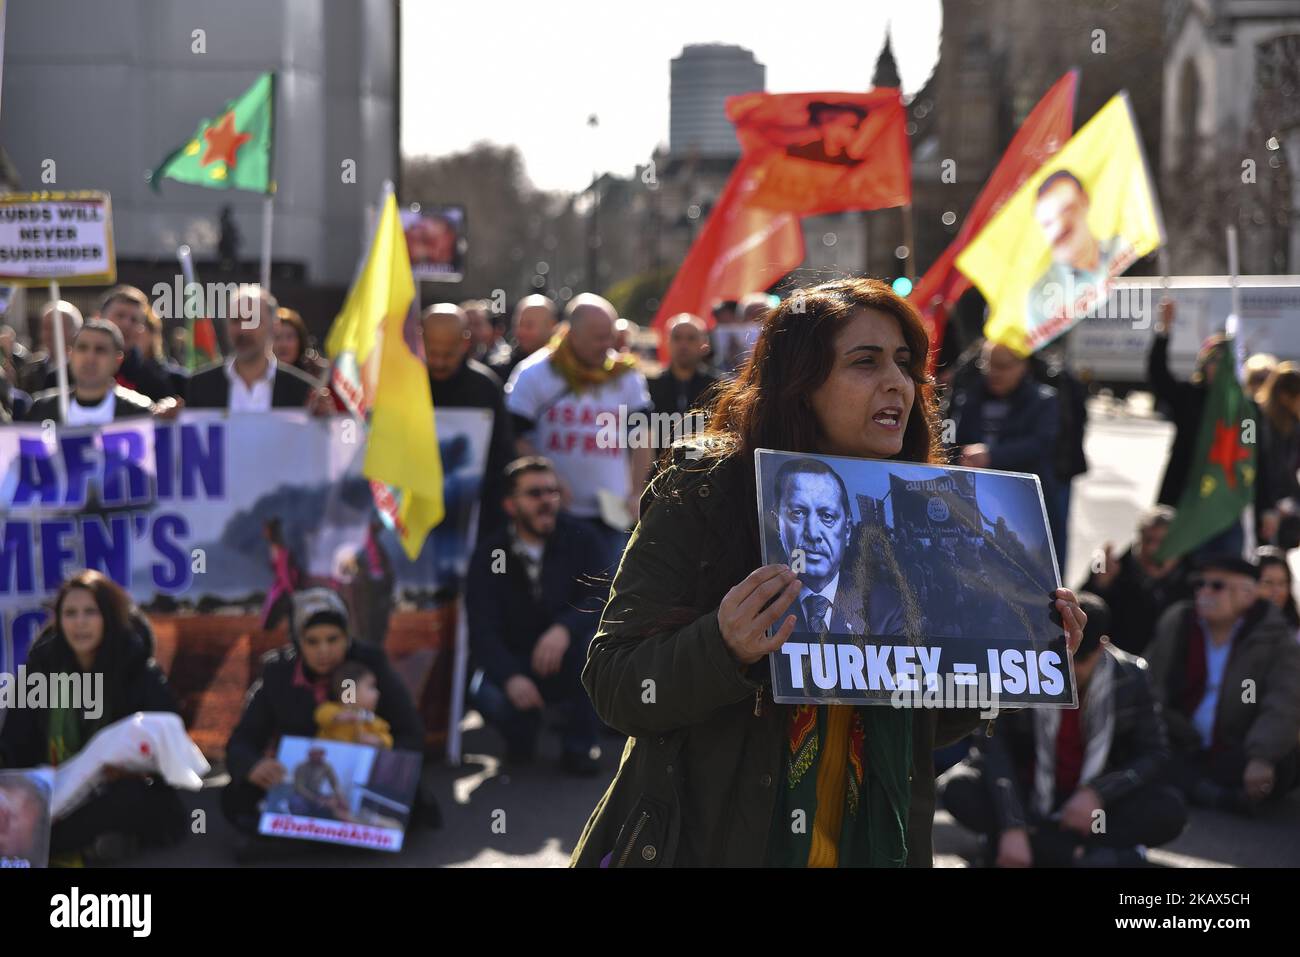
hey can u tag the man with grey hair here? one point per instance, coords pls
(457, 381)
(1137, 587)
(578, 404)
(534, 321)
(251, 380)
(42, 372)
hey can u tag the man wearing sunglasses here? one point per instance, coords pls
(1226, 669)
(533, 602)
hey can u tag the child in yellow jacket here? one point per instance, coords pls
(351, 716)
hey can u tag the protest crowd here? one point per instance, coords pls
(1166, 639)
(706, 560)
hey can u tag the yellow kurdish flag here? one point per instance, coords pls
(1049, 255)
(375, 370)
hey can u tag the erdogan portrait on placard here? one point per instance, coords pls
(816, 528)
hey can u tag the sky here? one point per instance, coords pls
(530, 74)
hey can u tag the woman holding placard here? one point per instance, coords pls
(709, 775)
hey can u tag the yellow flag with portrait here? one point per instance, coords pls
(1047, 258)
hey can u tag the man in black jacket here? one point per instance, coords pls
(684, 384)
(253, 381)
(533, 604)
(532, 325)
(95, 398)
(1009, 421)
(128, 308)
(1061, 788)
(457, 382)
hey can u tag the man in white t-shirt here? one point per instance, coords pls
(571, 404)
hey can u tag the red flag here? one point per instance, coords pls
(1044, 131)
(741, 249)
(825, 152)
(804, 154)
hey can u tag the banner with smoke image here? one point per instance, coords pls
(214, 510)
(923, 585)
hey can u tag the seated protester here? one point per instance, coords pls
(352, 716)
(128, 308)
(253, 380)
(1226, 668)
(1276, 585)
(1136, 586)
(92, 632)
(295, 682)
(1034, 788)
(533, 604)
(95, 398)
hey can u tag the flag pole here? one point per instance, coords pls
(60, 352)
(907, 241)
(268, 210)
(1231, 236)
(1232, 327)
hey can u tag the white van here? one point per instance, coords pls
(1110, 348)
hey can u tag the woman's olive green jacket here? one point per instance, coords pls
(698, 779)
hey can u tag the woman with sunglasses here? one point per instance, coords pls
(679, 662)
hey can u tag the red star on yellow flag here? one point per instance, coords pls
(223, 141)
(1226, 452)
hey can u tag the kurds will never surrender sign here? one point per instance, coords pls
(66, 237)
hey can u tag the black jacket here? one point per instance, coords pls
(1137, 601)
(176, 376)
(132, 682)
(128, 405)
(1027, 440)
(665, 390)
(1072, 397)
(1138, 754)
(146, 376)
(503, 369)
(505, 620)
(475, 386)
(1184, 403)
(275, 707)
(209, 388)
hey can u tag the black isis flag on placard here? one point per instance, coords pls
(940, 506)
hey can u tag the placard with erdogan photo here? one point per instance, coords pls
(922, 585)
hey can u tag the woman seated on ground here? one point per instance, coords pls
(93, 633)
(296, 680)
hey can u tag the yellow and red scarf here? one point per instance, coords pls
(581, 377)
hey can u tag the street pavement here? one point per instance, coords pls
(531, 817)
